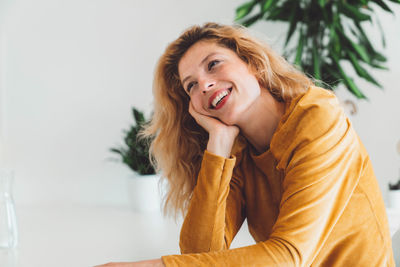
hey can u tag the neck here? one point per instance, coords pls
(260, 121)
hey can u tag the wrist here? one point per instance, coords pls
(220, 144)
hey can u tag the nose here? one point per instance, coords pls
(207, 85)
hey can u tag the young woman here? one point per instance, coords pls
(241, 134)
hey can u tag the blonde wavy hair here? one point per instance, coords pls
(178, 142)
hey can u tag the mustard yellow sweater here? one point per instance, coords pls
(312, 199)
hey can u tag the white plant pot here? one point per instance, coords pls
(143, 192)
(394, 199)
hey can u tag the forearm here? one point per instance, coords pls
(204, 226)
(145, 263)
(268, 253)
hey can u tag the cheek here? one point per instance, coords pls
(198, 105)
(254, 89)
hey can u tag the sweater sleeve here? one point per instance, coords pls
(320, 156)
(215, 212)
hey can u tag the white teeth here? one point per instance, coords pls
(219, 97)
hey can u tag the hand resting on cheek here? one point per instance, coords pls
(221, 136)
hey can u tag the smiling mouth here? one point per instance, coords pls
(219, 99)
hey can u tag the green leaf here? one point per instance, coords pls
(293, 23)
(316, 62)
(363, 37)
(352, 12)
(267, 5)
(281, 12)
(299, 51)
(379, 57)
(352, 86)
(361, 52)
(250, 21)
(335, 40)
(373, 54)
(359, 49)
(327, 14)
(349, 82)
(322, 3)
(276, 14)
(376, 66)
(382, 33)
(139, 118)
(116, 151)
(382, 5)
(244, 10)
(360, 70)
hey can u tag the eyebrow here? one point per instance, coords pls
(201, 63)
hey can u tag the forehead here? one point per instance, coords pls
(197, 52)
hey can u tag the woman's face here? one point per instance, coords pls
(218, 82)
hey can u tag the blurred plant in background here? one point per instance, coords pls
(135, 153)
(329, 33)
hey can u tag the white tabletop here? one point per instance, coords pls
(81, 236)
(88, 236)
(78, 236)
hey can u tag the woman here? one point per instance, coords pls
(240, 133)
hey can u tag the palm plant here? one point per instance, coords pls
(329, 33)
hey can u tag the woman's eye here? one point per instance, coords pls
(212, 64)
(189, 87)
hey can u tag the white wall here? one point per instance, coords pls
(71, 71)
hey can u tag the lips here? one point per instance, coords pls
(221, 95)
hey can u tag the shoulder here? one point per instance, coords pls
(315, 110)
(307, 118)
(317, 103)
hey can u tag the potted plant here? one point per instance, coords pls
(142, 185)
(323, 36)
